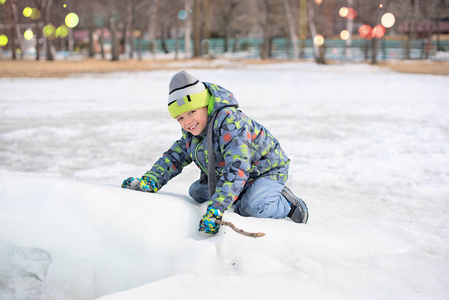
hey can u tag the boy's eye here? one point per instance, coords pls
(179, 119)
(192, 112)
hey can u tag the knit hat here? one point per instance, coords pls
(186, 93)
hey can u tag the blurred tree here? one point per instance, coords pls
(268, 23)
(226, 16)
(318, 50)
(291, 26)
(197, 18)
(303, 25)
(49, 45)
(16, 32)
(187, 29)
(440, 11)
(152, 26)
(133, 25)
(38, 29)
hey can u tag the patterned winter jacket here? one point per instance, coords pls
(244, 151)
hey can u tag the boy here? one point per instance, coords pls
(248, 166)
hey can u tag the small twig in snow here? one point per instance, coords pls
(241, 231)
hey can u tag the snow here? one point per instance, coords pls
(369, 150)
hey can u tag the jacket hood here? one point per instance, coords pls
(221, 98)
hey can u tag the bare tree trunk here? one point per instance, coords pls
(39, 34)
(319, 55)
(197, 28)
(375, 41)
(71, 41)
(206, 27)
(12, 44)
(103, 56)
(91, 42)
(130, 13)
(265, 51)
(139, 48)
(152, 28)
(163, 41)
(127, 29)
(438, 17)
(90, 22)
(115, 54)
(38, 40)
(291, 26)
(16, 26)
(12, 35)
(227, 22)
(374, 48)
(349, 28)
(412, 29)
(50, 47)
(176, 42)
(187, 30)
(303, 26)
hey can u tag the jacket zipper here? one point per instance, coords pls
(199, 163)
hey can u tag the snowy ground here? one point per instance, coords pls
(370, 155)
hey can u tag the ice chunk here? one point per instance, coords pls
(32, 260)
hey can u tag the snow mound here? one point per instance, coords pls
(104, 239)
(101, 239)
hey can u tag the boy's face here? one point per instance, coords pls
(194, 121)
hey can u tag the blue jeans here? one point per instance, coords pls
(262, 199)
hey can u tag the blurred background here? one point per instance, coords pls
(320, 30)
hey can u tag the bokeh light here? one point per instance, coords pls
(352, 14)
(62, 31)
(3, 40)
(378, 31)
(2, 1)
(27, 12)
(35, 14)
(28, 34)
(182, 14)
(318, 40)
(71, 20)
(365, 32)
(49, 31)
(318, 1)
(343, 12)
(388, 20)
(344, 35)
(65, 5)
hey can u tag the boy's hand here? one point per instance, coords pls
(208, 222)
(131, 183)
(144, 184)
(148, 185)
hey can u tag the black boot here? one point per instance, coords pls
(298, 212)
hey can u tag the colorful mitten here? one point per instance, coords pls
(131, 183)
(148, 185)
(144, 184)
(209, 221)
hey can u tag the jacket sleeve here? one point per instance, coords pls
(234, 139)
(170, 164)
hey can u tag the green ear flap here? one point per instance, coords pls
(210, 106)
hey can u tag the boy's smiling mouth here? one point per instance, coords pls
(192, 127)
